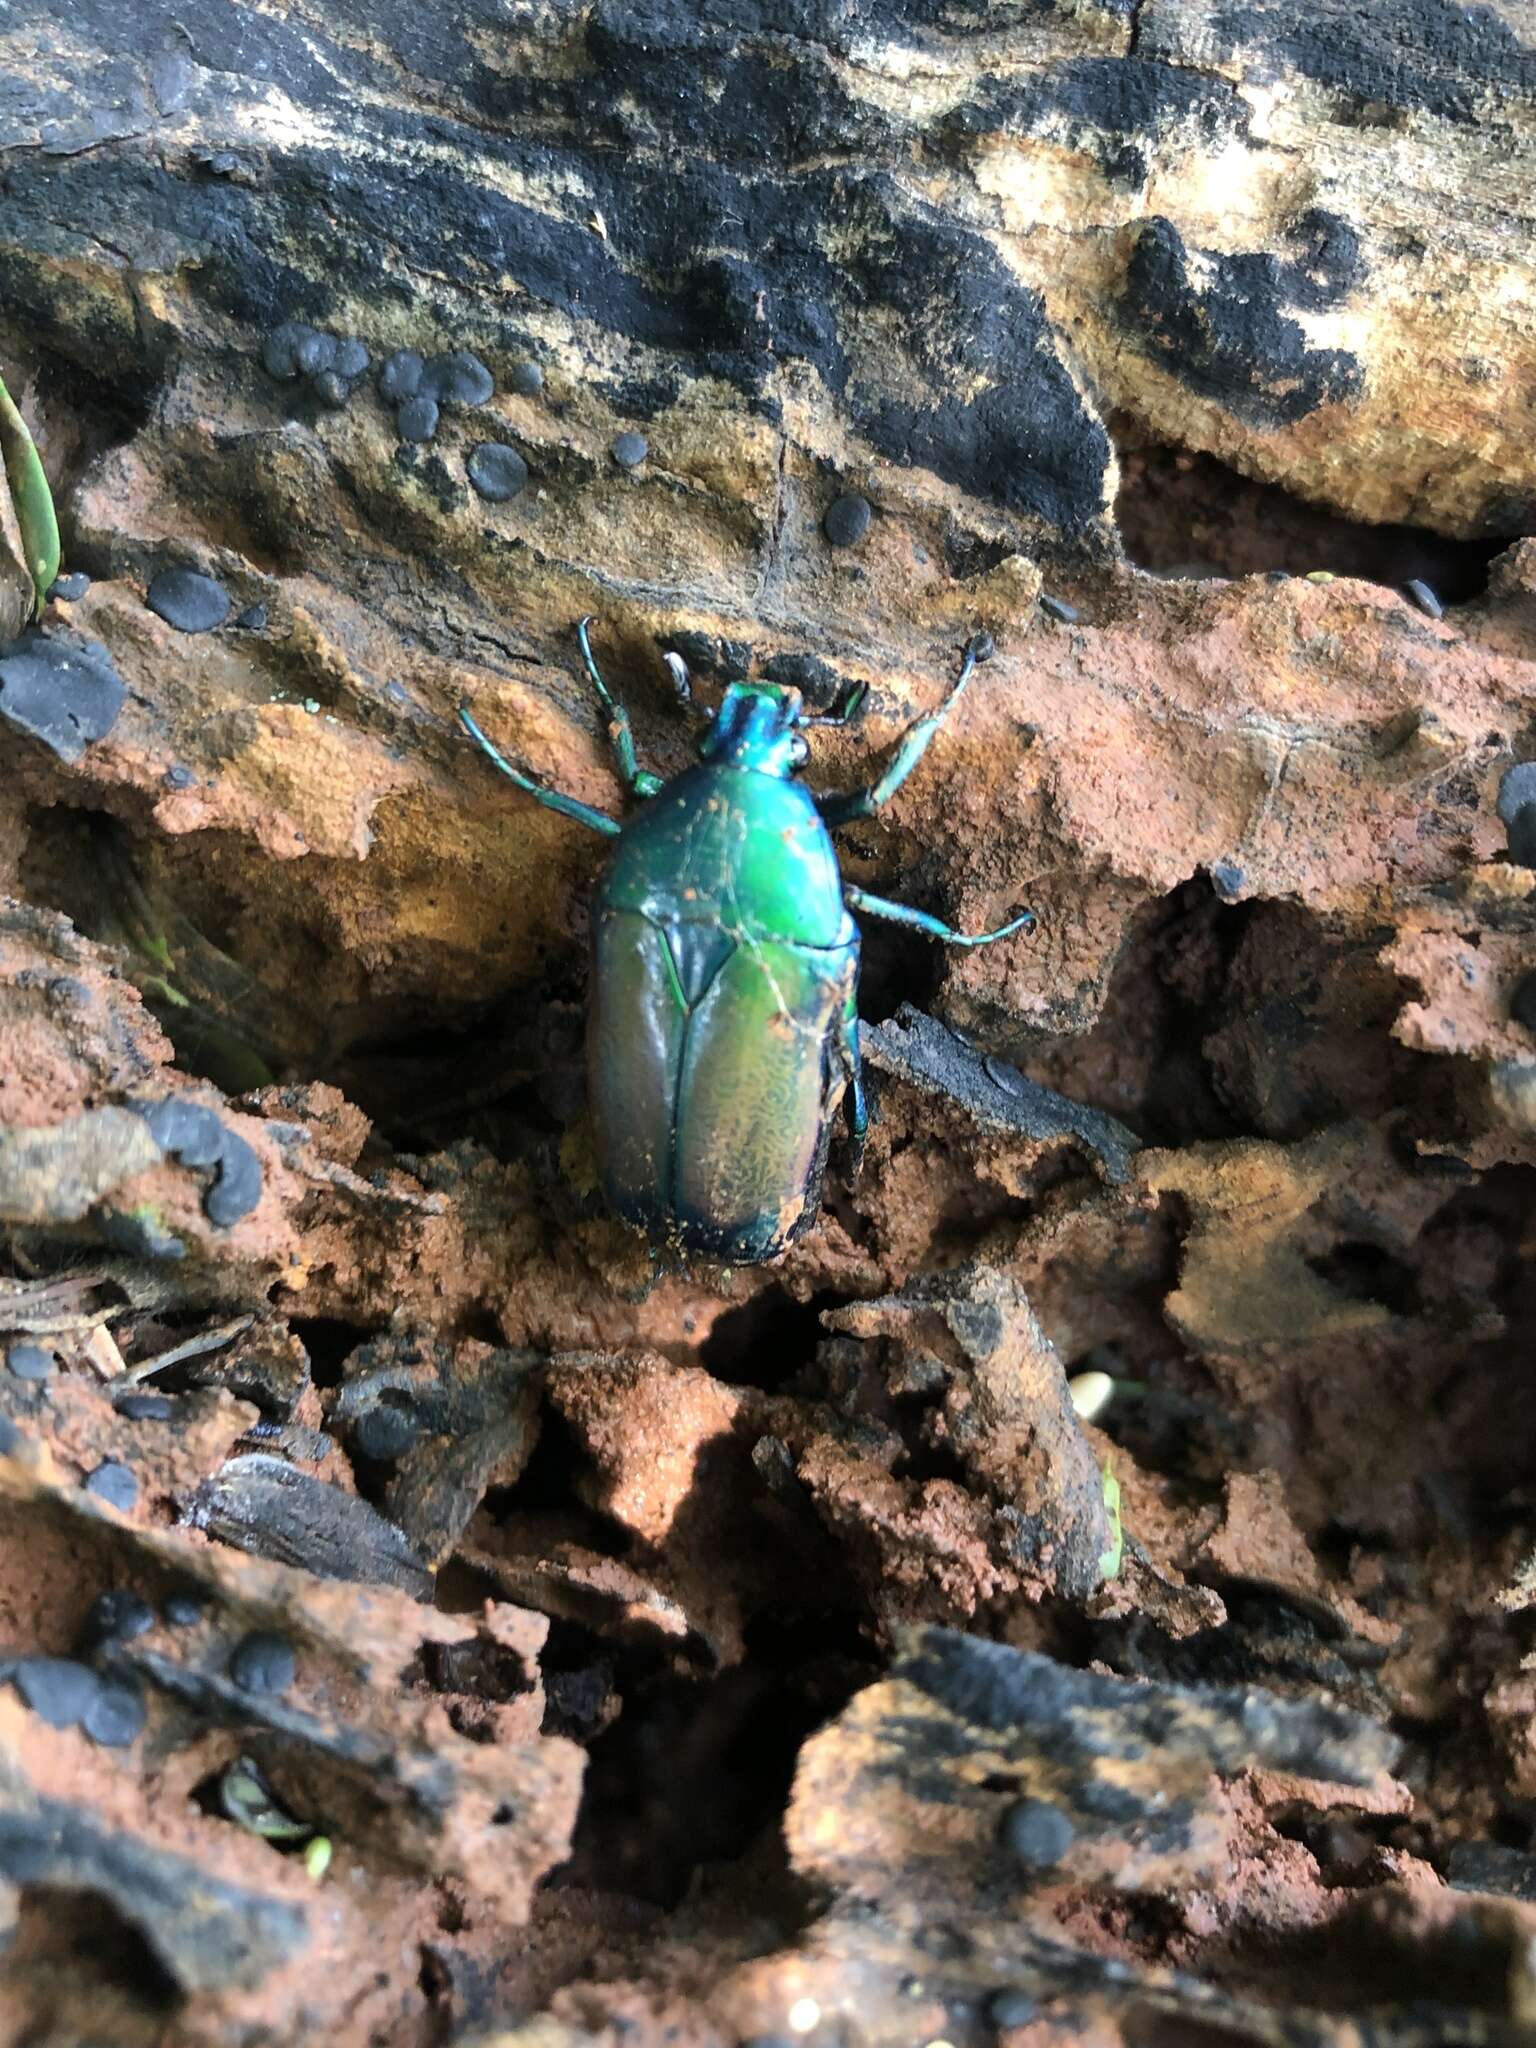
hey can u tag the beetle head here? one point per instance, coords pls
(757, 727)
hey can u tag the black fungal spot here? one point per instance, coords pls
(847, 520)
(146, 1407)
(114, 1484)
(629, 450)
(115, 1718)
(117, 1616)
(1227, 332)
(458, 378)
(29, 1362)
(1036, 1833)
(385, 1432)
(315, 352)
(263, 1663)
(182, 1610)
(526, 380)
(496, 471)
(352, 358)
(199, 1138)
(1012, 2009)
(417, 418)
(190, 602)
(400, 376)
(70, 589)
(280, 350)
(63, 692)
(56, 1689)
(238, 1188)
(193, 1134)
(254, 620)
(332, 390)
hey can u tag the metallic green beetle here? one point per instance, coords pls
(723, 1024)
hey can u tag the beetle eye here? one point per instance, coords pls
(799, 749)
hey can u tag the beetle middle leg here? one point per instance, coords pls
(637, 779)
(935, 927)
(841, 808)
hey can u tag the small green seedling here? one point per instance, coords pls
(247, 1799)
(1109, 1562)
(35, 516)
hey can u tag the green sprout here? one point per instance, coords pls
(247, 1799)
(1109, 1562)
(31, 497)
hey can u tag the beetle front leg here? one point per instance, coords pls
(551, 799)
(935, 927)
(841, 809)
(637, 779)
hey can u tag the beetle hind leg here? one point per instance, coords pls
(935, 927)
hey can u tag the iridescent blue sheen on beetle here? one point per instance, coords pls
(723, 1025)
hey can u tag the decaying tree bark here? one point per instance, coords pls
(1187, 347)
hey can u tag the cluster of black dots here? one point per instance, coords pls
(330, 364)
(92, 1689)
(417, 389)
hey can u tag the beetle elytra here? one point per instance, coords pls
(723, 1025)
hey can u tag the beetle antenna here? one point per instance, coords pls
(677, 669)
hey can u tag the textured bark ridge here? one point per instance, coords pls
(727, 1657)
